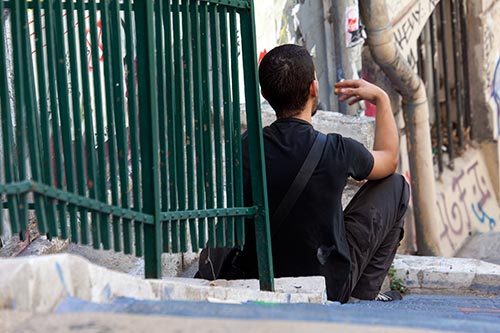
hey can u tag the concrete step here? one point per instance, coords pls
(40, 283)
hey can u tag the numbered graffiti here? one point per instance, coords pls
(469, 205)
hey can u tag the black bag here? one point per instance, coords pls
(220, 263)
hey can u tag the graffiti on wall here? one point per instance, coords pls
(408, 25)
(469, 205)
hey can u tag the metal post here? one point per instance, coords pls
(451, 149)
(256, 148)
(148, 118)
(435, 79)
(457, 65)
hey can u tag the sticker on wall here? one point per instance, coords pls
(354, 33)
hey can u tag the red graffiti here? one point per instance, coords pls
(100, 46)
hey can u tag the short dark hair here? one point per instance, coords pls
(285, 75)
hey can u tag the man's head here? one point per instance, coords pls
(287, 80)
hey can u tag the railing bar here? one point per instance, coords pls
(444, 51)
(179, 123)
(119, 113)
(198, 128)
(465, 68)
(457, 65)
(110, 120)
(171, 128)
(435, 83)
(89, 126)
(227, 229)
(48, 176)
(33, 124)
(24, 187)
(7, 135)
(64, 113)
(188, 102)
(239, 4)
(54, 110)
(77, 127)
(256, 151)
(133, 123)
(212, 212)
(149, 136)
(99, 120)
(162, 113)
(237, 154)
(20, 107)
(217, 136)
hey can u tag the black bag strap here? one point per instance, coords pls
(300, 181)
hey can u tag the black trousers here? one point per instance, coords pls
(374, 221)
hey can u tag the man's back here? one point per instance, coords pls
(311, 240)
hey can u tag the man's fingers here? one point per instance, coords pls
(348, 83)
(346, 91)
(355, 100)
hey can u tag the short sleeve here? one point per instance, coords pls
(359, 159)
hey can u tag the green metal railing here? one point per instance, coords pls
(120, 124)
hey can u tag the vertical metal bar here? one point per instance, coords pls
(256, 149)
(237, 157)
(198, 129)
(110, 121)
(32, 122)
(7, 135)
(64, 111)
(171, 128)
(77, 121)
(457, 64)
(451, 149)
(218, 144)
(54, 111)
(465, 64)
(149, 136)
(179, 123)
(20, 128)
(99, 118)
(162, 112)
(188, 102)
(89, 125)
(228, 230)
(435, 80)
(119, 113)
(48, 176)
(133, 124)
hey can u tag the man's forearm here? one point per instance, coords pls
(386, 132)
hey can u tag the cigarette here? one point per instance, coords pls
(336, 91)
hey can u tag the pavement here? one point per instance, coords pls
(131, 323)
(65, 293)
(415, 313)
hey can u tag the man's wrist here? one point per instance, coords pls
(381, 98)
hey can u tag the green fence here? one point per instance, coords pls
(120, 124)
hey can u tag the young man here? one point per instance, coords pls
(353, 249)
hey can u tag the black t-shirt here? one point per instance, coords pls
(311, 240)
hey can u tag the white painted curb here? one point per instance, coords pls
(450, 275)
(40, 283)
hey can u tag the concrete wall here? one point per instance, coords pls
(467, 196)
(314, 24)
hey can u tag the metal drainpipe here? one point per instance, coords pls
(374, 15)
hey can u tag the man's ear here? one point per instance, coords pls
(313, 88)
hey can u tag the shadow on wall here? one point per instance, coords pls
(496, 92)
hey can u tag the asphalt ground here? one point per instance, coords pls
(413, 313)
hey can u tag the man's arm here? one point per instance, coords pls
(386, 143)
